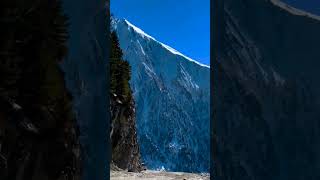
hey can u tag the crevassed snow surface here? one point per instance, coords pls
(172, 102)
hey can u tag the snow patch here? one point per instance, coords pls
(141, 48)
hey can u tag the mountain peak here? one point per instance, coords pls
(138, 30)
(149, 37)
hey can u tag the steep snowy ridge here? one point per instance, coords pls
(172, 102)
(143, 34)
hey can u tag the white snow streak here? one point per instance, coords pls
(145, 35)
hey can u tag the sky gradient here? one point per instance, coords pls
(182, 25)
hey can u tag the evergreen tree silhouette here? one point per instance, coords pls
(120, 70)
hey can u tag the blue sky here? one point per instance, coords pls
(312, 6)
(182, 24)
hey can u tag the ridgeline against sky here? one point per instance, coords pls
(183, 25)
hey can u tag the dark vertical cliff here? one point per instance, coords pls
(39, 137)
(123, 134)
(266, 100)
(124, 142)
(86, 78)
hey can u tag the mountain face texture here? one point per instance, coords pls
(266, 92)
(85, 74)
(123, 135)
(171, 92)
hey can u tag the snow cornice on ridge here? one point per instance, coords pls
(172, 50)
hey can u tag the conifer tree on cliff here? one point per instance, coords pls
(123, 136)
(120, 70)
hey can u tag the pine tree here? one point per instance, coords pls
(125, 149)
(120, 70)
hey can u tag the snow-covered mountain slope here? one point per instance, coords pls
(172, 102)
(267, 93)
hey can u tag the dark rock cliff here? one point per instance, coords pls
(37, 150)
(123, 135)
(39, 136)
(86, 78)
(266, 100)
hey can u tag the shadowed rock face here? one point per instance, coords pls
(36, 151)
(39, 138)
(266, 92)
(86, 78)
(125, 147)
